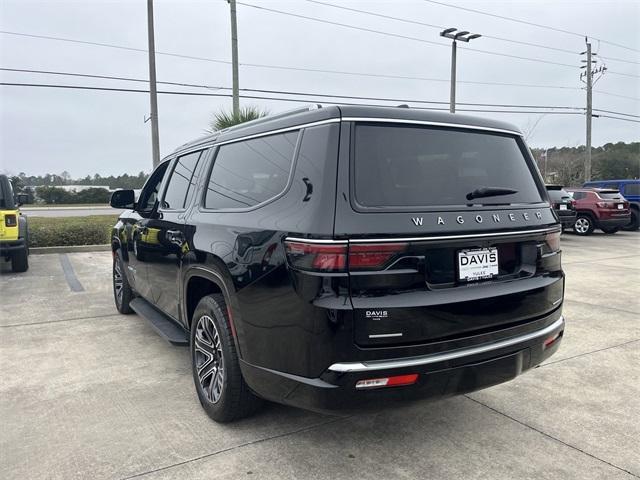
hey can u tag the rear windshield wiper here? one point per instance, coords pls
(489, 192)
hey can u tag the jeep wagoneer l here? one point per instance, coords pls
(332, 258)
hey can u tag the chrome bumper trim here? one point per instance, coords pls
(442, 357)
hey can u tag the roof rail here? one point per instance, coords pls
(286, 113)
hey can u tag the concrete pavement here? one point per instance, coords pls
(88, 393)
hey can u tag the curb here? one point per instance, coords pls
(69, 249)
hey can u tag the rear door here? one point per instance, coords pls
(427, 261)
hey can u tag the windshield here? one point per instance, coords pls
(412, 166)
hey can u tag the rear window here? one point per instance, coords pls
(408, 166)
(632, 189)
(610, 195)
(558, 195)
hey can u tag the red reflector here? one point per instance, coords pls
(395, 381)
(551, 340)
(373, 255)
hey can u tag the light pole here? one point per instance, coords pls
(463, 36)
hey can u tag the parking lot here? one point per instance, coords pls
(88, 393)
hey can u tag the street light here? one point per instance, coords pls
(463, 36)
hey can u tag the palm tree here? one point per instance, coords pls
(225, 119)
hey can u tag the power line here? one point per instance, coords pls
(259, 97)
(525, 22)
(397, 35)
(290, 68)
(439, 27)
(618, 118)
(284, 92)
(616, 113)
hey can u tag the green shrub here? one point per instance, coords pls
(64, 231)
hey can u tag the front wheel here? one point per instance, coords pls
(122, 292)
(222, 391)
(583, 225)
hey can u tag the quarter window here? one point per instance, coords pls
(248, 173)
(182, 182)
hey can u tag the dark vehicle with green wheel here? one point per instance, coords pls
(345, 257)
(14, 232)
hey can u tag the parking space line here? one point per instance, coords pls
(70, 274)
(573, 447)
(589, 353)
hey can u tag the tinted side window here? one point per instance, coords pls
(632, 189)
(247, 173)
(182, 181)
(149, 194)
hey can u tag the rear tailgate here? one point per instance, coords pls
(413, 233)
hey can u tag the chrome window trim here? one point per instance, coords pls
(442, 357)
(280, 130)
(311, 240)
(429, 123)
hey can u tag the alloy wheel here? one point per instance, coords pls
(209, 358)
(582, 225)
(118, 282)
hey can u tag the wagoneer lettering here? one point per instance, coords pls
(341, 257)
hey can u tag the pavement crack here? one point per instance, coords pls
(589, 353)
(59, 321)
(573, 447)
(235, 447)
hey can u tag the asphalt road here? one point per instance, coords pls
(69, 211)
(88, 393)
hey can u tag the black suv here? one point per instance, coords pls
(563, 204)
(332, 258)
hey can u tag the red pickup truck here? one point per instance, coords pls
(599, 208)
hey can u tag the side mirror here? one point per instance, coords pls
(122, 199)
(21, 199)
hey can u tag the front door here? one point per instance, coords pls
(164, 261)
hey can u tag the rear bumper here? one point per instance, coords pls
(614, 222)
(440, 375)
(13, 245)
(567, 218)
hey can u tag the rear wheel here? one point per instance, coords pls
(122, 292)
(583, 225)
(610, 230)
(20, 260)
(634, 223)
(222, 391)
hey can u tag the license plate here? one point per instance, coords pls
(563, 207)
(620, 206)
(477, 264)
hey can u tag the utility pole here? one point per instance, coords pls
(463, 36)
(234, 59)
(587, 160)
(155, 138)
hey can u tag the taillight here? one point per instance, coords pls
(551, 340)
(553, 241)
(395, 381)
(604, 204)
(317, 256)
(10, 220)
(367, 256)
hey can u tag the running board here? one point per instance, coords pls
(163, 325)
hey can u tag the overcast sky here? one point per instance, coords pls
(84, 132)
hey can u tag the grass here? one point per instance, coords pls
(65, 231)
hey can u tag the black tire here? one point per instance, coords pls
(222, 391)
(20, 260)
(122, 292)
(634, 223)
(584, 225)
(610, 230)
